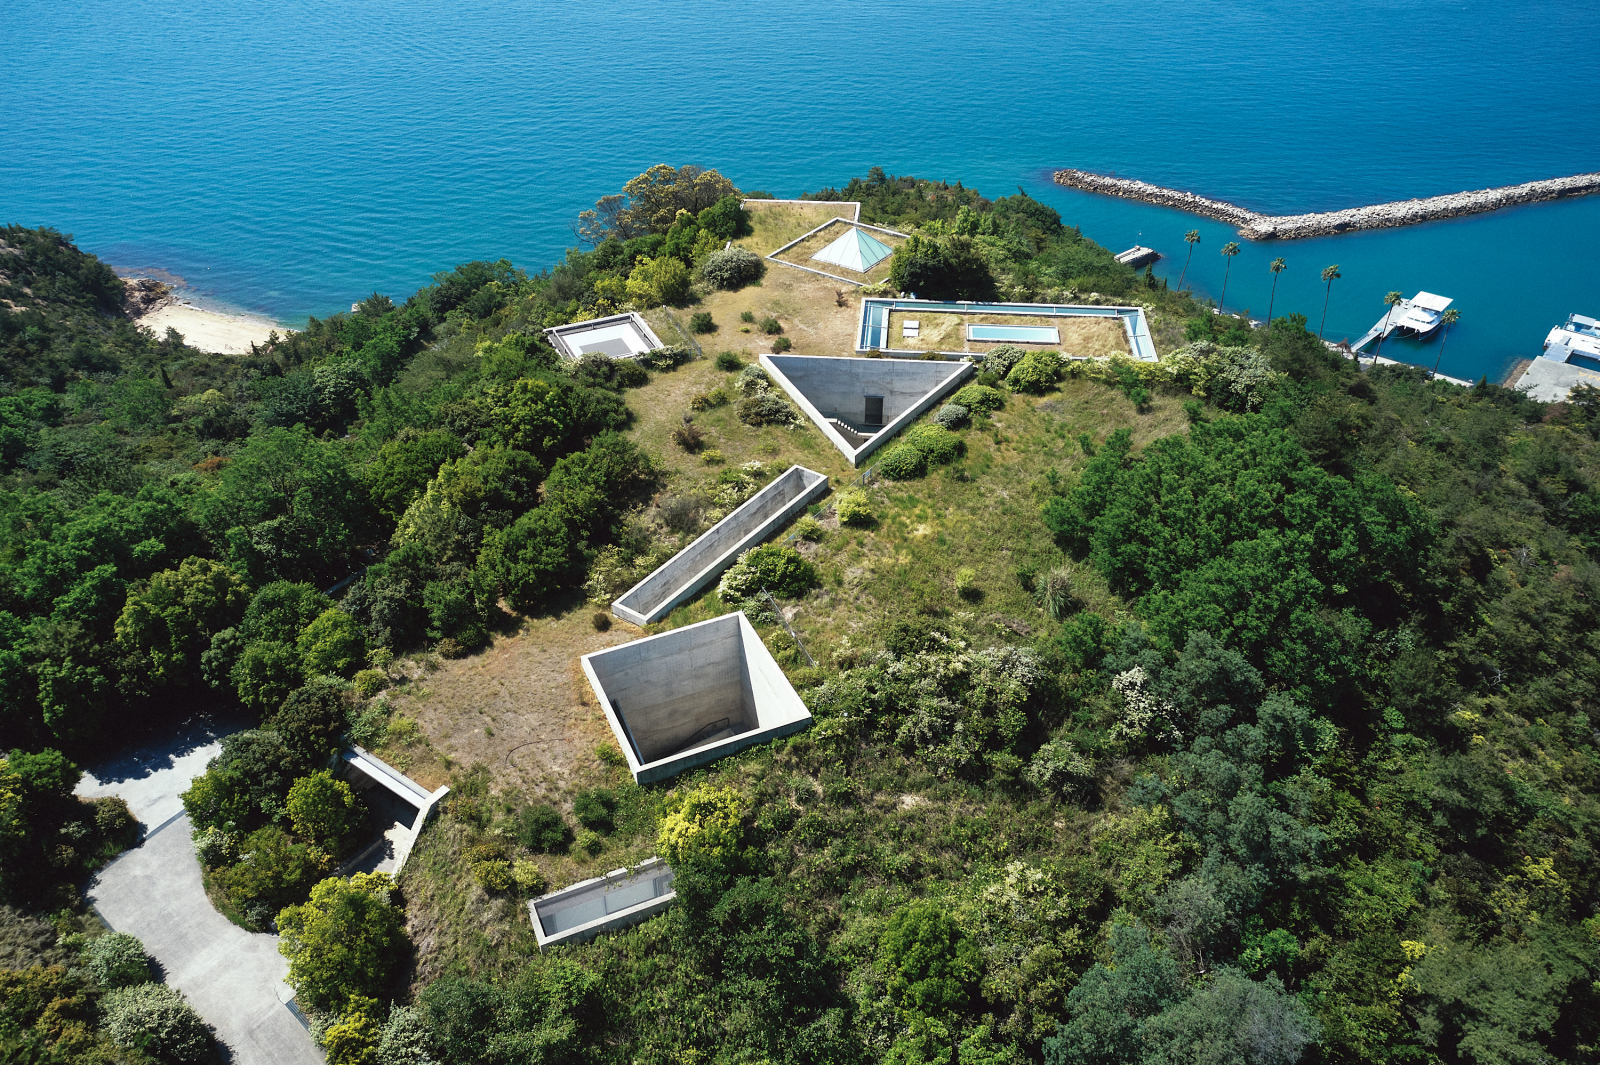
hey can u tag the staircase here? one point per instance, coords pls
(851, 436)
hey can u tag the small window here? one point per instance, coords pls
(874, 415)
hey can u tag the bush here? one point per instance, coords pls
(809, 528)
(595, 809)
(733, 268)
(771, 326)
(752, 380)
(712, 457)
(937, 444)
(747, 316)
(542, 830)
(325, 812)
(493, 874)
(528, 877)
(272, 872)
(778, 568)
(766, 409)
(708, 400)
(407, 1039)
(665, 357)
(115, 822)
(967, 583)
(353, 1038)
(902, 462)
(1054, 592)
(657, 281)
(591, 843)
(369, 682)
(700, 322)
(979, 398)
(855, 509)
(1037, 372)
(952, 416)
(344, 942)
(688, 436)
(729, 361)
(117, 960)
(781, 345)
(157, 1020)
(601, 621)
(533, 559)
(1000, 360)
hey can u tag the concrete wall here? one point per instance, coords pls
(697, 565)
(618, 899)
(659, 692)
(830, 387)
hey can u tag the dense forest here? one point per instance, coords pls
(1296, 763)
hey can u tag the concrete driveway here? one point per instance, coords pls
(232, 977)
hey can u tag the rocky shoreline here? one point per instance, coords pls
(1254, 226)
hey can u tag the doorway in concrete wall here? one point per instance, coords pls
(874, 411)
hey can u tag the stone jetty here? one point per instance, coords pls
(1254, 226)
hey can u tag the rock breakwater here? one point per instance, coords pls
(1255, 226)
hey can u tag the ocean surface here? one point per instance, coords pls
(289, 157)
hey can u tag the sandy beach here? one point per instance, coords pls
(228, 334)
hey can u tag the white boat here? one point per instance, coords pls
(1579, 336)
(1422, 314)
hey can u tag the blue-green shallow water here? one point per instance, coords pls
(289, 157)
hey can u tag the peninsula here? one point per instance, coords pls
(1255, 226)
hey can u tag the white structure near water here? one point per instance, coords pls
(693, 695)
(703, 561)
(621, 336)
(1580, 336)
(621, 898)
(860, 404)
(855, 249)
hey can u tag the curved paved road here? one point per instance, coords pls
(233, 977)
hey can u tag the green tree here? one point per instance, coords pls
(1233, 1020)
(1190, 238)
(1110, 1006)
(941, 268)
(404, 466)
(1229, 250)
(265, 674)
(167, 624)
(332, 643)
(931, 966)
(324, 812)
(534, 558)
(664, 279)
(1278, 266)
(1391, 300)
(1330, 274)
(311, 722)
(1450, 317)
(548, 417)
(346, 941)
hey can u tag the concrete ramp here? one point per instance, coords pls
(693, 695)
(621, 898)
(697, 565)
(874, 398)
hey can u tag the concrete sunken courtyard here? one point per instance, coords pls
(693, 695)
(860, 404)
(604, 904)
(621, 336)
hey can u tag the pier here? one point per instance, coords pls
(1419, 314)
(1256, 226)
(1138, 256)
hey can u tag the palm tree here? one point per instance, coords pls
(1330, 274)
(1449, 318)
(1392, 299)
(1278, 266)
(1191, 238)
(1229, 250)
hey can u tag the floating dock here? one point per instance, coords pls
(1420, 315)
(1138, 256)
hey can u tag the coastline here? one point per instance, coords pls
(150, 303)
(1256, 226)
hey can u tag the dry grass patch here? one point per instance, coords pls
(777, 223)
(808, 307)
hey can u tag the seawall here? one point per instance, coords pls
(1254, 226)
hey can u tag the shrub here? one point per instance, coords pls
(967, 582)
(272, 872)
(713, 457)
(324, 812)
(747, 316)
(700, 322)
(407, 1039)
(902, 462)
(732, 269)
(766, 409)
(630, 373)
(353, 1038)
(709, 400)
(937, 444)
(157, 1020)
(1000, 360)
(493, 874)
(771, 326)
(115, 822)
(369, 682)
(729, 361)
(952, 416)
(979, 398)
(533, 558)
(809, 528)
(660, 280)
(702, 826)
(778, 568)
(117, 960)
(594, 808)
(1037, 372)
(781, 345)
(601, 621)
(1054, 592)
(665, 357)
(529, 878)
(688, 436)
(751, 380)
(542, 830)
(344, 942)
(855, 509)
(591, 843)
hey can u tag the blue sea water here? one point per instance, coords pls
(289, 157)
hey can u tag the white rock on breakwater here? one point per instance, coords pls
(1256, 226)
